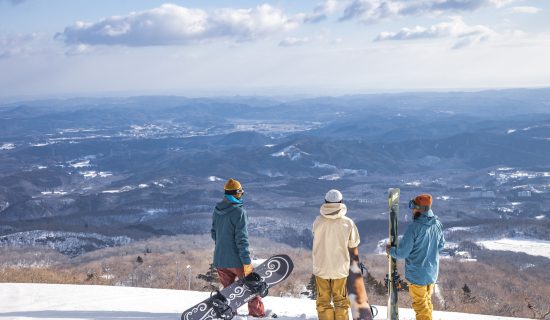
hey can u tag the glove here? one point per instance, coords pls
(247, 269)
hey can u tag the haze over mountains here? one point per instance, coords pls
(94, 170)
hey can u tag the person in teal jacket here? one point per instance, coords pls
(420, 247)
(230, 234)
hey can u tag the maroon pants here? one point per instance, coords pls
(230, 275)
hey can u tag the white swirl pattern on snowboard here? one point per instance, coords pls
(200, 308)
(239, 292)
(273, 266)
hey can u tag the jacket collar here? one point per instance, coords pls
(427, 218)
(333, 210)
(428, 213)
(233, 199)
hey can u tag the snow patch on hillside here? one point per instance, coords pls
(54, 193)
(7, 146)
(338, 172)
(79, 163)
(90, 174)
(4, 205)
(331, 177)
(453, 229)
(291, 152)
(530, 247)
(121, 190)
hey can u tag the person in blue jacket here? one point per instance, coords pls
(420, 247)
(230, 234)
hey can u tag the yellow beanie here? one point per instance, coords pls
(232, 184)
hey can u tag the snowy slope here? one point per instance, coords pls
(530, 247)
(73, 302)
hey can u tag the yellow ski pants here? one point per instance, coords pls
(332, 290)
(422, 300)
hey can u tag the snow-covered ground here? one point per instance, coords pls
(76, 302)
(530, 247)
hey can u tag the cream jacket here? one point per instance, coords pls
(333, 234)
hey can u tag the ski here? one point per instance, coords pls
(393, 276)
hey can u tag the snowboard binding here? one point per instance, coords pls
(221, 306)
(401, 284)
(255, 284)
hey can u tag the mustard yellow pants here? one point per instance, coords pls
(332, 290)
(422, 300)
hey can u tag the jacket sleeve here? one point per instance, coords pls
(241, 237)
(354, 238)
(405, 246)
(213, 229)
(314, 226)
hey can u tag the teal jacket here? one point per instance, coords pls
(230, 234)
(420, 247)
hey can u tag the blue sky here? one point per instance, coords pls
(64, 48)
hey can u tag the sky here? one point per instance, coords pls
(70, 48)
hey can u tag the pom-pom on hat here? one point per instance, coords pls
(333, 196)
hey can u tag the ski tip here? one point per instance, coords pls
(393, 194)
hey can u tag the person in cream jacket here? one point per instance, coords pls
(333, 235)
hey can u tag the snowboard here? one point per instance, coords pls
(272, 271)
(393, 276)
(360, 308)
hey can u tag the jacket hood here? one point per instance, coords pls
(427, 218)
(225, 206)
(333, 210)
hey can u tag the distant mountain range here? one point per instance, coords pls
(142, 166)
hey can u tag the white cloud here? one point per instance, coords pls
(321, 11)
(374, 10)
(293, 41)
(529, 10)
(170, 24)
(79, 49)
(12, 45)
(464, 34)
